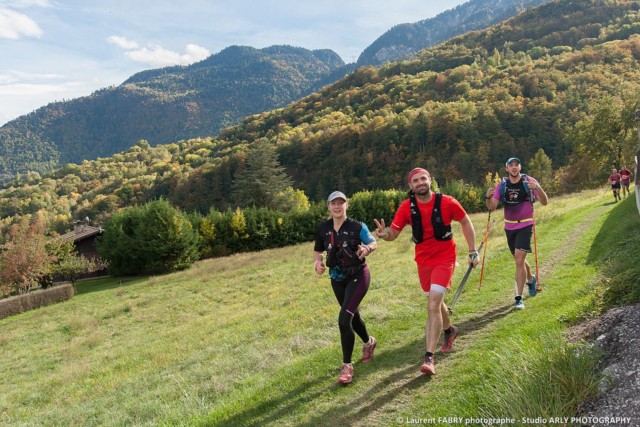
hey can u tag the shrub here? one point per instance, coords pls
(151, 239)
(470, 196)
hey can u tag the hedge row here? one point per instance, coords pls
(157, 238)
(253, 229)
(35, 299)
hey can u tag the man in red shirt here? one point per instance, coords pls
(435, 252)
(625, 180)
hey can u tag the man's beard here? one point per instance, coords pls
(423, 191)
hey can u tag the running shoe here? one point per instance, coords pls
(367, 350)
(532, 286)
(346, 374)
(519, 305)
(447, 341)
(428, 367)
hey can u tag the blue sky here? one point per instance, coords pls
(53, 50)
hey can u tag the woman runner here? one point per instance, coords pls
(347, 242)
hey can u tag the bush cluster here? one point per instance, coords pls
(150, 239)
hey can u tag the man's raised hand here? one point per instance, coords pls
(381, 229)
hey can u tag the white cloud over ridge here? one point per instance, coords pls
(122, 42)
(158, 56)
(14, 25)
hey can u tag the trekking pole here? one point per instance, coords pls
(535, 252)
(464, 279)
(535, 247)
(484, 254)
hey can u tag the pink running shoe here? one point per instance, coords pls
(346, 374)
(428, 367)
(447, 342)
(367, 350)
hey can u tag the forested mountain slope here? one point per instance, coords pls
(173, 103)
(163, 106)
(403, 41)
(459, 109)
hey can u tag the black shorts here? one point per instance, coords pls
(519, 239)
(615, 185)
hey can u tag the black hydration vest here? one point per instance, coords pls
(341, 246)
(513, 194)
(440, 230)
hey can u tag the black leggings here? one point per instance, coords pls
(350, 293)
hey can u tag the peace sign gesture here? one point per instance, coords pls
(383, 232)
(381, 229)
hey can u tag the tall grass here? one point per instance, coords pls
(551, 379)
(615, 248)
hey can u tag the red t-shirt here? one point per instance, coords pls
(614, 178)
(625, 175)
(431, 252)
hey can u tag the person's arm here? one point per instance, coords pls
(384, 232)
(490, 201)
(318, 265)
(469, 234)
(540, 193)
(367, 243)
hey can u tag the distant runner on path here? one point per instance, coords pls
(517, 192)
(625, 180)
(347, 242)
(614, 179)
(430, 215)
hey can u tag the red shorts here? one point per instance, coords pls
(436, 275)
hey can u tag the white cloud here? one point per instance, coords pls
(14, 76)
(122, 42)
(25, 3)
(30, 89)
(26, 97)
(157, 56)
(14, 25)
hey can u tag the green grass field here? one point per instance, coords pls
(252, 339)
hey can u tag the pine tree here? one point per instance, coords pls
(263, 177)
(541, 169)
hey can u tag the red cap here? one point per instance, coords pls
(417, 171)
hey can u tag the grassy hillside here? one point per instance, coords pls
(252, 339)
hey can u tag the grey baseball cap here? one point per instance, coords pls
(336, 195)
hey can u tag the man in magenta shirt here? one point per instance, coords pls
(517, 192)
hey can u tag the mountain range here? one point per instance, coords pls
(461, 108)
(175, 103)
(403, 41)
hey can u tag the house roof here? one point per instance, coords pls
(82, 233)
